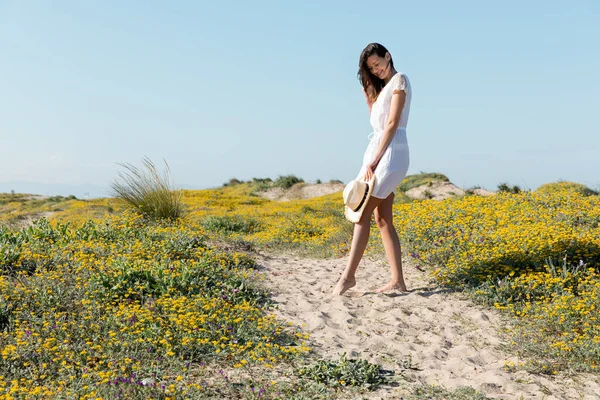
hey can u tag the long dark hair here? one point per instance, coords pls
(370, 83)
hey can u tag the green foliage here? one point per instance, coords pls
(287, 181)
(230, 224)
(421, 179)
(471, 190)
(262, 180)
(40, 236)
(138, 301)
(400, 197)
(519, 291)
(505, 247)
(556, 307)
(505, 188)
(345, 372)
(232, 182)
(430, 392)
(148, 192)
(6, 198)
(259, 185)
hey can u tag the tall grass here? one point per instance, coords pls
(148, 192)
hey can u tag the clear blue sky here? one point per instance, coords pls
(502, 91)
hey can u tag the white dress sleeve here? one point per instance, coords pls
(399, 84)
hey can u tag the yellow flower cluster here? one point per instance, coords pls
(125, 307)
(537, 254)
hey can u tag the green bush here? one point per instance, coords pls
(401, 197)
(229, 225)
(262, 180)
(345, 372)
(286, 182)
(471, 190)
(149, 193)
(504, 187)
(232, 182)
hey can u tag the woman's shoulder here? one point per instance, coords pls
(401, 76)
(400, 82)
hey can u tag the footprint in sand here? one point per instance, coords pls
(448, 340)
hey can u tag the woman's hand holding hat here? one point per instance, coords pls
(370, 170)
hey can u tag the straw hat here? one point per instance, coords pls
(356, 196)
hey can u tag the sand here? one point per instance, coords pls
(428, 336)
(302, 191)
(437, 191)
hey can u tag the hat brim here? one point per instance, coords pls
(354, 216)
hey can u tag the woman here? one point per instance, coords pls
(388, 96)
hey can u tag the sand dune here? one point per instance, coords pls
(429, 335)
(302, 190)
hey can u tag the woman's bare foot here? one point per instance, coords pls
(343, 285)
(392, 286)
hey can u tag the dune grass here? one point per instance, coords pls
(148, 191)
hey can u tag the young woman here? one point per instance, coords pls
(388, 96)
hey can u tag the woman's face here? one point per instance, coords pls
(379, 66)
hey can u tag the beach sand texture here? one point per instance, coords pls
(429, 335)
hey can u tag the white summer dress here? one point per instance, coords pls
(393, 166)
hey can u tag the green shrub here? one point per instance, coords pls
(286, 182)
(345, 372)
(504, 187)
(262, 180)
(229, 225)
(471, 190)
(401, 197)
(149, 193)
(232, 182)
(55, 199)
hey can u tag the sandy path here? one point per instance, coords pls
(429, 335)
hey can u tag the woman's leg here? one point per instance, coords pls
(391, 243)
(360, 239)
